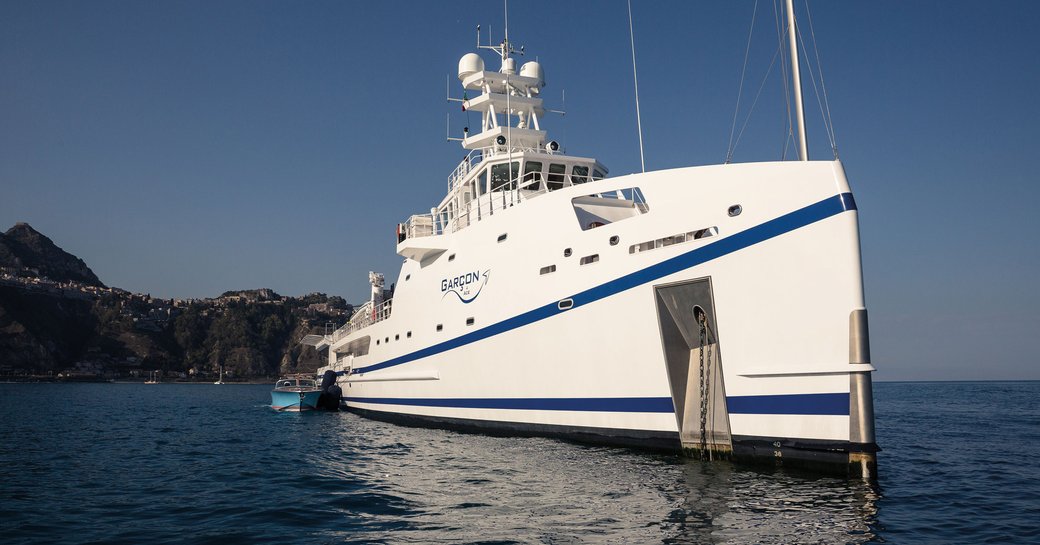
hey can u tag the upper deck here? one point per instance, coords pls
(510, 160)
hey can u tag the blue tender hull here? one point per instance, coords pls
(295, 401)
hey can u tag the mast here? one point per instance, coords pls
(792, 38)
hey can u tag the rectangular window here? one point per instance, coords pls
(532, 176)
(590, 259)
(579, 174)
(680, 238)
(597, 175)
(556, 175)
(547, 270)
(469, 321)
(500, 176)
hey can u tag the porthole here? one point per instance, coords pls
(397, 337)
(502, 237)
(614, 240)
(735, 210)
(409, 335)
(565, 304)
(377, 342)
(451, 257)
(440, 327)
(386, 340)
(407, 277)
(567, 252)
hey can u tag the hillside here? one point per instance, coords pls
(57, 317)
(25, 248)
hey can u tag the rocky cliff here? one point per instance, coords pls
(23, 247)
(70, 323)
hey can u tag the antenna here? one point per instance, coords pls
(505, 48)
(447, 91)
(447, 130)
(639, 122)
(564, 100)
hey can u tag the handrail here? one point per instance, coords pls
(363, 317)
(425, 225)
(471, 160)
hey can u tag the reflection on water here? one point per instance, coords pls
(214, 464)
(429, 485)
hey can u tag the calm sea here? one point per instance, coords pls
(169, 463)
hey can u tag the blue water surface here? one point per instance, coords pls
(202, 463)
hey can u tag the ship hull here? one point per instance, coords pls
(608, 348)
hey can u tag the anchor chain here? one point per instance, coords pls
(704, 401)
(704, 392)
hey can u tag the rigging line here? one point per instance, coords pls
(812, 78)
(740, 90)
(781, 32)
(639, 122)
(823, 85)
(757, 95)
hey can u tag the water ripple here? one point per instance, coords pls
(207, 464)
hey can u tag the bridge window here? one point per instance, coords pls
(579, 174)
(503, 176)
(556, 175)
(532, 176)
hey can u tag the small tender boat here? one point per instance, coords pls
(295, 393)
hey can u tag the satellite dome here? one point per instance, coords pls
(470, 64)
(533, 70)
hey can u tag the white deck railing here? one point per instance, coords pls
(473, 159)
(364, 317)
(425, 225)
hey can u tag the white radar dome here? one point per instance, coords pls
(533, 70)
(470, 64)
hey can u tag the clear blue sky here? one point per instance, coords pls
(187, 148)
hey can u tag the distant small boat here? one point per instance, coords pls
(295, 393)
(153, 378)
(221, 379)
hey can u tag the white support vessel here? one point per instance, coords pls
(716, 309)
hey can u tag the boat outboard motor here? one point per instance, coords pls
(330, 392)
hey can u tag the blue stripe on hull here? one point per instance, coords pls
(793, 404)
(804, 404)
(824, 209)
(591, 404)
